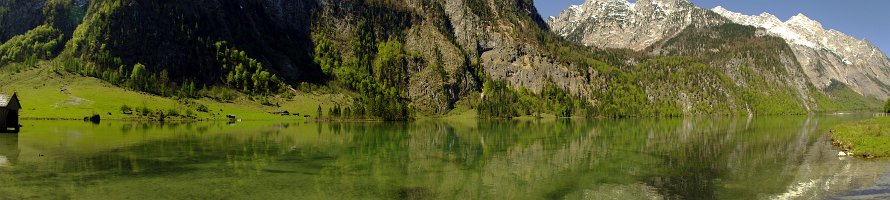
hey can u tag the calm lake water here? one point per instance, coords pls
(760, 158)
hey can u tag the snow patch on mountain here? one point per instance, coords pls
(825, 55)
(622, 24)
(769, 22)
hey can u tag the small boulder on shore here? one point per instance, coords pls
(94, 118)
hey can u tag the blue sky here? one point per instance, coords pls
(862, 19)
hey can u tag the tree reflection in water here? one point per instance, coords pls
(627, 159)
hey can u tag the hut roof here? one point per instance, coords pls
(5, 100)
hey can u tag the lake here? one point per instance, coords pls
(692, 158)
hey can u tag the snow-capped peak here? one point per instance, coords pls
(574, 11)
(800, 17)
(576, 8)
(605, 23)
(824, 55)
(801, 20)
(769, 22)
(804, 31)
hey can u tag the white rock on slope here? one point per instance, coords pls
(621, 24)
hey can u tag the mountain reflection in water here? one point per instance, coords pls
(713, 158)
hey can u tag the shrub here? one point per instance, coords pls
(189, 113)
(145, 111)
(126, 109)
(172, 112)
(203, 108)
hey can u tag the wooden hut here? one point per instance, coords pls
(9, 113)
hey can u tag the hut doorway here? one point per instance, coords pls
(12, 120)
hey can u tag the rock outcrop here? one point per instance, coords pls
(621, 24)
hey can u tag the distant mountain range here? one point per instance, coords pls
(826, 57)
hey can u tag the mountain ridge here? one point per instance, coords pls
(823, 54)
(428, 58)
(648, 20)
(826, 53)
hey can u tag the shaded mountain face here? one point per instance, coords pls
(826, 55)
(178, 36)
(19, 16)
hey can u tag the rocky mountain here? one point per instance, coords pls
(826, 55)
(826, 58)
(398, 57)
(443, 50)
(621, 24)
(679, 28)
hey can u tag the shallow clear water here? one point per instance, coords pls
(760, 158)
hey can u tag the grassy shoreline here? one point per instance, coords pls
(46, 94)
(49, 95)
(868, 138)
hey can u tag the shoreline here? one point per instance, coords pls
(868, 138)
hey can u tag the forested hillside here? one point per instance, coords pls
(397, 59)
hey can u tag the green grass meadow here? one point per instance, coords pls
(868, 138)
(47, 94)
